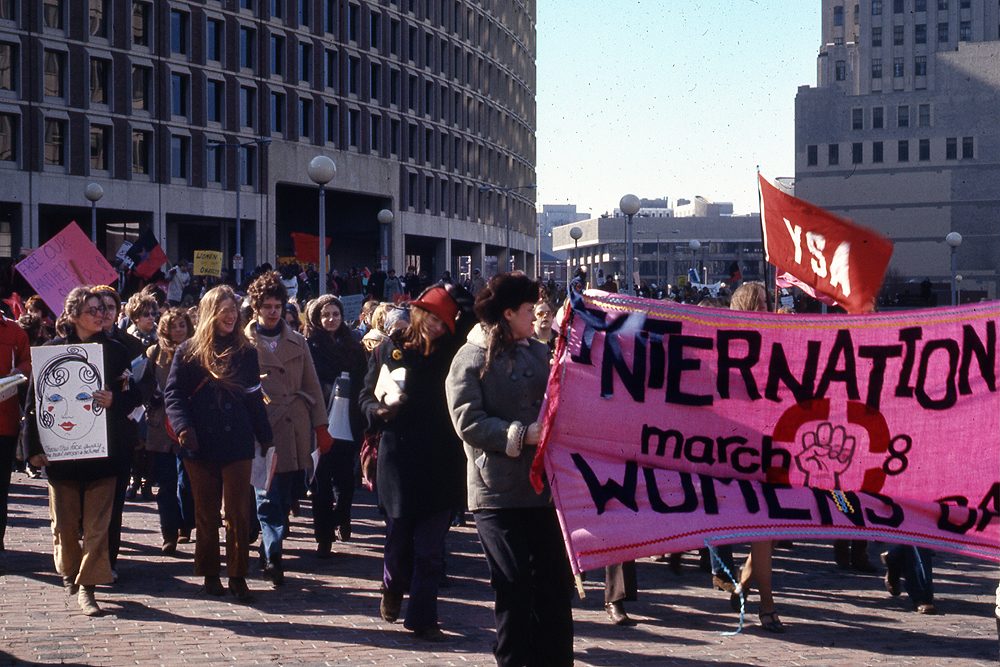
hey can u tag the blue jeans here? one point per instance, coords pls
(414, 561)
(173, 499)
(273, 507)
(916, 564)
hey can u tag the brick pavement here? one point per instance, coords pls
(327, 611)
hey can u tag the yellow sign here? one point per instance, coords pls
(207, 263)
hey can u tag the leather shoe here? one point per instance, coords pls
(213, 586)
(323, 550)
(431, 634)
(238, 587)
(616, 613)
(892, 575)
(390, 605)
(927, 608)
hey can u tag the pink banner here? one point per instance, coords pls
(670, 426)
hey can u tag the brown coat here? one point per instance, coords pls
(157, 440)
(293, 397)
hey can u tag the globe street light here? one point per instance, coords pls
(486, 187)
(958, 287)
(385, 218)
(953, 239)
(93, 193)
(322, 170)
(576, 234)
(695, 246)
(629, 205)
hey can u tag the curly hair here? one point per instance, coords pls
(110, 291)
(139, 303)
(751, 296)
(166, 321)
(267, 285)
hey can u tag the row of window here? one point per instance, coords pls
(877, 117)
(898, 7)
(920, 33)
(951, 151)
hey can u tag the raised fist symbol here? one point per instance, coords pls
(826, 453)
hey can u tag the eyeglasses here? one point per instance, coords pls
(94, 311)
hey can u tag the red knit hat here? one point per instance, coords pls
(436, 300)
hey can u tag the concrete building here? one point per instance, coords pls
(553, 264)
(426, 106)
(900, 133)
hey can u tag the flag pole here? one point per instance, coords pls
(770, 285)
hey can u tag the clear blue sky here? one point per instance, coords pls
(669, 98)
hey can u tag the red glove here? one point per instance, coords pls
(324, 441)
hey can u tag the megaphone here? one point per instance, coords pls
(339, 414)
(9, 385)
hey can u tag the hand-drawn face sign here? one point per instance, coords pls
(66, 387)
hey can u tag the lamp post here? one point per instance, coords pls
(958, 287)
(953, 239)
(385, 218)
(485, 187)
(575, 233)
(629, 205)
(322, 170)
(93, 193)
(695, 246)
(240, 179)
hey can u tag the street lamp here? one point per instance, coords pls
(953, 239)
(485, 187)
(93, 193)
(958, 287)
(385, 218)
(322, 170)
(576, 234)
(695, 246)
(629, 205)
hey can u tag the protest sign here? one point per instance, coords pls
(669, 426)
(821, 253)
(71, 425)
(65, 261)
(207, 263)
(307, 246)
(352, 306)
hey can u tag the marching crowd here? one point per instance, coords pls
(237, 406)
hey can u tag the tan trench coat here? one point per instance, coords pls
(293, 397)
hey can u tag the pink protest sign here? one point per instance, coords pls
(65, 261)
(671, 426)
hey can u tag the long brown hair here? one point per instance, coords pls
(202, 347)
(167, 346)
(415, 336)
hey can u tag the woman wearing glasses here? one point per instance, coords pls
(81, 492)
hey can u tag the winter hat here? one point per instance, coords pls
(436, 300)
(505, 290)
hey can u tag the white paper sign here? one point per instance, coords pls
(70, 423)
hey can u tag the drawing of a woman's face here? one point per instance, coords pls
(67, 403)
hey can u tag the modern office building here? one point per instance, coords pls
(900, 133)
(181, 108)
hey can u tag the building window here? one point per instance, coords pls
(840, 70)
(375, 133)
(55, 73)
(331, 124)
(8, 66)
(100, 146)
(304, 12)
(99, 11)
(943, 5)
(7, 10)
(920, 33)
(877, 150)
(213, 162)
(833, 154)
(53, 14)
(305, 117)
(353, 74)
(277, 112)
(924, 115)
(305, 62)
(277, 55)
(375, 81)
(353, 127)
(951, 148)
(903, 151)
(247, 37)
(838, 16)
(55, 142)
(411, 140)
(920, 5)
(277, 8)
(812, 155)
(876, 68)
(142, 79)
(903, 115)
(924, 150)
(330, 16)
(857, 151)
(331, 69)
(394, 84)
(178, 32)
(179, 87)
(965, 4)
(214, 31)
(248, 156)
(179, 147)
(942, 33)
(142, 13)
(353, 22)
(878, 118)
(248, 104)
(857, 119)
(395, 128)
(920, 66)
(897, 35)
(897, 6)
(897, 67)
(214, 96)
(967, 148)
(375, 30)
(965, 31)
(876, 7)
(877, 36)
(141, 141)
(99, 70)
(394, 36)
(8, 137)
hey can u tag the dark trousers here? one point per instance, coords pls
(117, 511)
(533, 585)
(620, 582)
(8, 449)
(413, 563)
(176, 511)
(213, 483)
(917, 567)
(333, 490)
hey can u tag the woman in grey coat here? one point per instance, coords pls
(495, 389)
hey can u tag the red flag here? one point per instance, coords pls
(833, 256)
(307, 247)
(146, 255)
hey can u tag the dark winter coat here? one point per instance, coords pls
(334, 354)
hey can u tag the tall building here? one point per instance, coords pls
(900, 133)
(178, 107)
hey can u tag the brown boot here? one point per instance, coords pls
(88, 605)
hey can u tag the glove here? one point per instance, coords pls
(324, 441)
(533, 433)
(188, 440)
